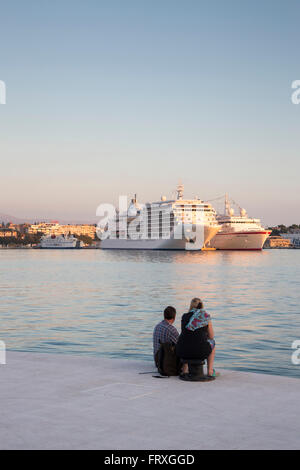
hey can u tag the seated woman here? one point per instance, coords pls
(196, 340)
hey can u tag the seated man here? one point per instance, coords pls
(165, 332)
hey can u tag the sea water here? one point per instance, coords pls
(107, 303)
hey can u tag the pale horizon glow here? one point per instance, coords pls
(116, 98)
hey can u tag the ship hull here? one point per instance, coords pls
(239, 240)
(59, 247)
(123, 244)
(204, 235)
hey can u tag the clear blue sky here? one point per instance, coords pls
(118, 97)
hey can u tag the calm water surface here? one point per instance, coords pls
(107, 302)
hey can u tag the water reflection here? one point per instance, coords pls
(107, 302)
(180, 257)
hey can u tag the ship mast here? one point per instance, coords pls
(227, 205)
(180, 189)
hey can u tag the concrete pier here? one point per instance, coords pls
(51, 401)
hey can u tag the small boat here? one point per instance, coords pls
(60, 241)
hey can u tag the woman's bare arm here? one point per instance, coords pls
(210, 331)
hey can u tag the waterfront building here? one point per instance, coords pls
(54, 228)
(277, 241)
(7, 232)
(293, 236)
(45, 228)
(84, 229)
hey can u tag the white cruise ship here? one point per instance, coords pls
(239, 232)
(59, 241)
(179, 224)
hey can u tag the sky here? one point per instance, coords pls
(109, 98)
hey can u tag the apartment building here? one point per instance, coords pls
(54, 228)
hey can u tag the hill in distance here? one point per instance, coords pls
(6, 218)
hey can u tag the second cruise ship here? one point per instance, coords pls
(238, 232)
(179, 224)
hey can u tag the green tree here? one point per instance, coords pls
(85, 239)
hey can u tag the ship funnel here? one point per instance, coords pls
(133, 208)
(243, 213)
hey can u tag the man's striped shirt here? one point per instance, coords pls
(164, 332)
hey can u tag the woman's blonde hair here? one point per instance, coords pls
(195, 302)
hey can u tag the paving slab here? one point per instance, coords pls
(52, 401)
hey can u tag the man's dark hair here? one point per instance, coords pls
(169, 313)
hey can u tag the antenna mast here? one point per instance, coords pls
(180, 189)
(227, 205)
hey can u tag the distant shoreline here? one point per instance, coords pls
(42, 249)
(99, 248)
